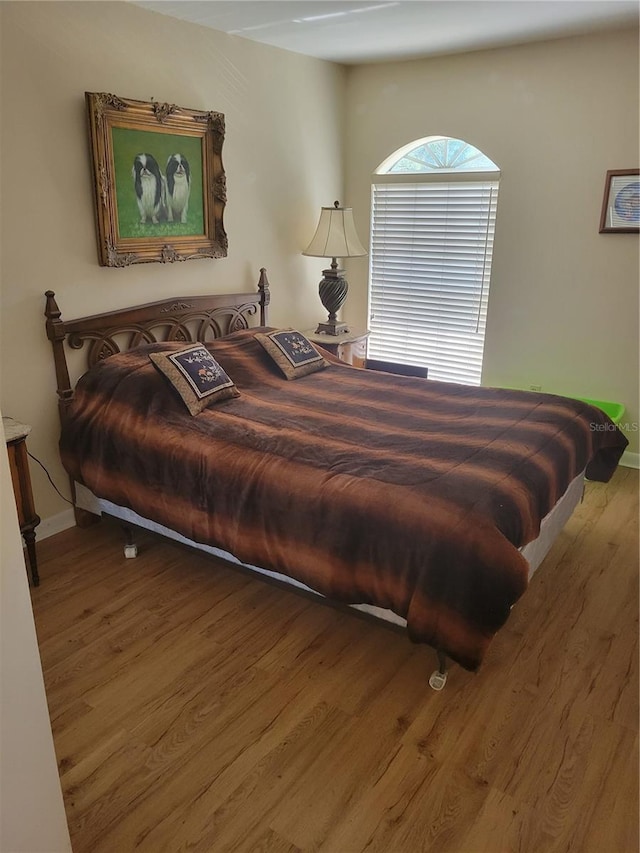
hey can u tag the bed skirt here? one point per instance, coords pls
(534, 552)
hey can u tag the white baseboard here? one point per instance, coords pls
(630, 460)
(56, 524)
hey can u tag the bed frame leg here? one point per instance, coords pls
(84, 518)
(130, 548)
(439, 677)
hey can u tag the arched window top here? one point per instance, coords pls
(437, 154)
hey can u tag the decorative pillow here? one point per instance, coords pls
(292, 352)
(196, 376)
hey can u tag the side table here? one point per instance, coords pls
(350, 347)
(15, 434)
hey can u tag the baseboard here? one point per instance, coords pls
(630, 460)
(56, 524)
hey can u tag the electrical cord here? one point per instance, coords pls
(35, 459)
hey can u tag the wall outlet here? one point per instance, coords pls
(535, 387)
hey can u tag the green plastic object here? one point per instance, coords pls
(614, 410)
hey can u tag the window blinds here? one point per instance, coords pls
(431, 247)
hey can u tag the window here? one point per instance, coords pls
(432, 226)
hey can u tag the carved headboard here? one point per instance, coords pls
(183, 318)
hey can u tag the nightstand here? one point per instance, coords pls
(350, 347)
(15, 435)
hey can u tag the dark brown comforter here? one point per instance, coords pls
(406, 493)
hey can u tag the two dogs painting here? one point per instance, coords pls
(162, 196)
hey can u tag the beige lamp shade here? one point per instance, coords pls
(335, 235)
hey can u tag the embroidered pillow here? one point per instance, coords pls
(196, 376)
(292, 352)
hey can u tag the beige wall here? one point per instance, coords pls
(32, 818)
(563, 310)
(282, 156)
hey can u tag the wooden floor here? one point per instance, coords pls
(197, 708)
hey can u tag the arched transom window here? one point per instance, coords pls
(432, 226)
(438, 154)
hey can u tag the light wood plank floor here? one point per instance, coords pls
(197, 708)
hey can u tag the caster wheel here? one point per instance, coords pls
(130, 551)
(438, 680)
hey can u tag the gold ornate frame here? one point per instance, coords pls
(105, 112)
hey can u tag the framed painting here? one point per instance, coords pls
(159, 182)
(621, 203)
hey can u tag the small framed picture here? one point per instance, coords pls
(159, 183)
(621, 203)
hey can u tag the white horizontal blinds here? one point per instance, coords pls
(431, 247)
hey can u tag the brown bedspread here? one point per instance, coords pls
(406, 493)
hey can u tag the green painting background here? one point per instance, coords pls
(126, 144)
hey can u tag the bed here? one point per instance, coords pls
(422, 502)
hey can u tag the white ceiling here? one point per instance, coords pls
(381, 30)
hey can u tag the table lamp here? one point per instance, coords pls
(335, 237)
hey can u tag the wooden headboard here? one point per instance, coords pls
(181, 318)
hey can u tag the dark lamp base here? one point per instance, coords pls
(332, 328)
(333, 291)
